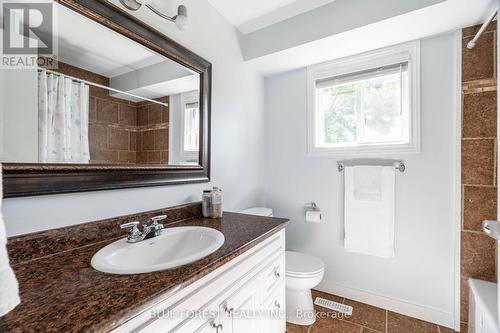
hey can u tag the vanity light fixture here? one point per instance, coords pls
(180, 19)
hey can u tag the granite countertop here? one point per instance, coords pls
(61, 292)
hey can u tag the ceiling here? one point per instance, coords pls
(281, 35)
(248, 16)
(342, 28)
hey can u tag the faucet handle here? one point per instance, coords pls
(158, 218)
(158, 227)
(134, 226)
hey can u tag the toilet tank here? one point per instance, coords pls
(260, 211)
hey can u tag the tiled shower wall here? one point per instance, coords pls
(479, 141)
(121, 131)
(152, 132)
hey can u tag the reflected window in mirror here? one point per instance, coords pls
(191, 120)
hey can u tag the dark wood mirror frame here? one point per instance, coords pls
(22, 179)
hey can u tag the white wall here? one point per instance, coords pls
(419, 281)
(237, 132)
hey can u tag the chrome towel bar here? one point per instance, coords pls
(399, 165)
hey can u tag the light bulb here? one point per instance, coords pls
(181, 22)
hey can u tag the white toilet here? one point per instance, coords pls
(302, 273)
(260, 211)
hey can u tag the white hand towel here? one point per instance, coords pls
(367, 182)
(369, 210)
(9, 289)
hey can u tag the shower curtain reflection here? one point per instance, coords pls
(63, 118)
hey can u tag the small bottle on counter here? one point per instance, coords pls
(206, 204)
(216, 203)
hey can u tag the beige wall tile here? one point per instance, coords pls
(478, 161)
(106, 111)
(118, 139)
(161, 139)
(479, 63)
(148, 140)
(154, 116)
(480, 203)
(478, 256)
(105, 156)
(479, 115)
(142, 115)
(127, 156)
(128, 115)
(98, 138)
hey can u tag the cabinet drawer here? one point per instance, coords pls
(274, 274)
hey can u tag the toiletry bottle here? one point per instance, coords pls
(206, 204)
(216, 203)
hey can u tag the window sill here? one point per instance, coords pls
(366, 150)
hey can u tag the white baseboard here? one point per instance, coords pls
(418, 311)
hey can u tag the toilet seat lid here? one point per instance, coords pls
(300, 264)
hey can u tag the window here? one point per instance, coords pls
(191, 127)
(191, 124)
(365, 104)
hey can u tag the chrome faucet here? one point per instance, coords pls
(148, 231)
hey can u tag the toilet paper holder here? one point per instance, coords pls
(312, 206)
(313, 213)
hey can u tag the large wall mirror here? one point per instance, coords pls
(121, 106)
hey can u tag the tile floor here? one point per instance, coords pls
(365, 319)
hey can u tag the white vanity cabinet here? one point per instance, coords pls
(246, 294)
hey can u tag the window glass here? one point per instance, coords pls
(369, 107)
(191, 127)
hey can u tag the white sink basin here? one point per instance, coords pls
(174, 247)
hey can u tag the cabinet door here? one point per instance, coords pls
(239, 311)
(273, 311)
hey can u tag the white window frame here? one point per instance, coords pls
(408, 52)
(186, 98)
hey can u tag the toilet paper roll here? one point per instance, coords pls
(314, 216)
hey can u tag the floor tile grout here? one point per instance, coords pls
(371, 329)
